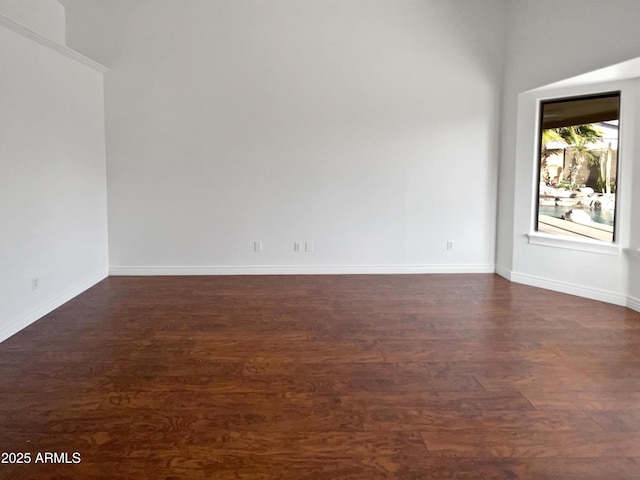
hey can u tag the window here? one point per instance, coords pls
(578, 167)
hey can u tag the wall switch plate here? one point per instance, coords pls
(297, 246)
(308, 246)
(257, 245)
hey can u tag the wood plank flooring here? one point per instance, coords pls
(325, 377)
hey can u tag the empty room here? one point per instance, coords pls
(320, 239)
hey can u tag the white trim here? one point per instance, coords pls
(503, 272)
(634, 256)
(43, 310)
(570, 288)
(50, 44)
(538, 238)
(633, 303)
(626, 70)
(298, 269)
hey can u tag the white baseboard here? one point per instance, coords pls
(633, 303)
(503, 272)
(300, 269)
(569, 288)
(41, 311)
(564, 287)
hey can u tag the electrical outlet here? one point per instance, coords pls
(35, 283)
(257, 245)
(308, 246)
(449, 244)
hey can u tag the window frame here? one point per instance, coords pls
(528, 146)
(539, 121)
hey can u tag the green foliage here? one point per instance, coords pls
(580, 136)
(567, 185)
(577, 136)
(602, 186)
(551, 135)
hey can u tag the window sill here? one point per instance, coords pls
(537, 238)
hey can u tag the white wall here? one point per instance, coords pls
(45, 17)
(369, 128)
(633, 253)
(52, 179)
(565, 265)
(544, 48)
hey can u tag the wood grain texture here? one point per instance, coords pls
(325, 377)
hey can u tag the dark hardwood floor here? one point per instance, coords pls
(324, 377)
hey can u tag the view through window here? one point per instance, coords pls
(578, 166)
